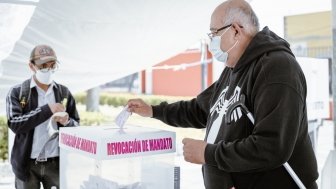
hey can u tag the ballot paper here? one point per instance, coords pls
(52, 126)
(65, 103)
(122, 117)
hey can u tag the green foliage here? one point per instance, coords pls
(91, 118)
(80, 98)
(3, 138)
(120, 99)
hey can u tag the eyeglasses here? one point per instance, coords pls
(215, 32)
(44, 68)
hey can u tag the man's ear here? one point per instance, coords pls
(31, 66)
(237, 29)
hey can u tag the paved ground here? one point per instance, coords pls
(191, 177)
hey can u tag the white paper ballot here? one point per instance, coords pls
(122, 117)
(52, 126)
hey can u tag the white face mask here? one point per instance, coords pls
(45, 77)
(216, 50)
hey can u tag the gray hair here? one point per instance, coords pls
(243, 16)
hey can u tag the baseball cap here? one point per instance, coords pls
(42, 54)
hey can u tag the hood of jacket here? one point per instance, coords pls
(263, 42)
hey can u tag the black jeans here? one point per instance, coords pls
(46, 173)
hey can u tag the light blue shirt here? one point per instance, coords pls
(41, 131)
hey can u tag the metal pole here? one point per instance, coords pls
(334, 66)
(204, 65)
(92, 99)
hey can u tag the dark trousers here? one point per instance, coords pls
(46, 173)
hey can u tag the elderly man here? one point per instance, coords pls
(30, 107)
(260, 67)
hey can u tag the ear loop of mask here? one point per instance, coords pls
(235, 42)
(232, 46)
(34, 67)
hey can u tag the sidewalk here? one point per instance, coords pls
(324, 145)
(6, 176)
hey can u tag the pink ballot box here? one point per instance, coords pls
(104, 157)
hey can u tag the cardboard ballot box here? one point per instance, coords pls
(104, 157)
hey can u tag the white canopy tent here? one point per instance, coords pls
(102, 40)
(98, 41)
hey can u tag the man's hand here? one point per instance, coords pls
(138, 106)
(56, 107)
(62, 118)
(193, 150)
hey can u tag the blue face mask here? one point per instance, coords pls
(216, 50)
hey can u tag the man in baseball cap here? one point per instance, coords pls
(31, 109)
(43, 62)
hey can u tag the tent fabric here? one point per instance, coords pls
(98, 41)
